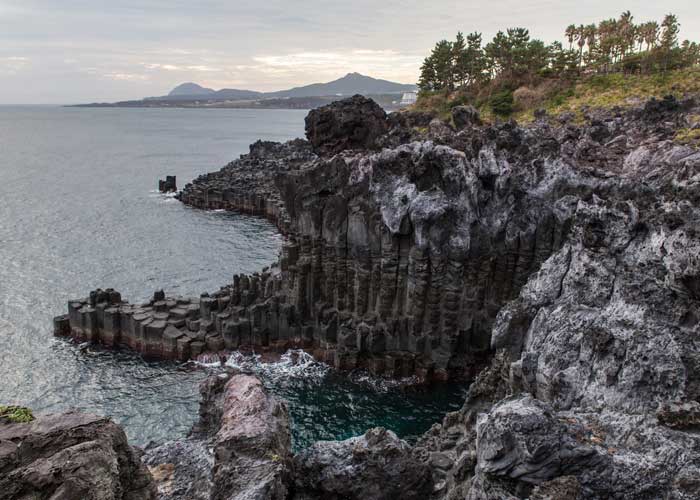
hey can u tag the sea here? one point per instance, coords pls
(79, 209)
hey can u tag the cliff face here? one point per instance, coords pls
(563, 257)
(403, 248)
(567, 255)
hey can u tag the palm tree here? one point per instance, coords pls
(570, 35)
(651, 34)
(591, 32)
(581, 42)
(626, 32)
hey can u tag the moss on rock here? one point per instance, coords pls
(16, 414)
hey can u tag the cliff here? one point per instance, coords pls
(562, 257)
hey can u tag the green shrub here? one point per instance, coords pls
(502, 103)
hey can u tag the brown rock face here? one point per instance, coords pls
(251, 448)
(70, 456)
(239, 450)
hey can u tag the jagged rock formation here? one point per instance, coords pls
(239, 450)
(374, 466)
(564, 257)
(354, 123)
(595, 382)
(69, 456)
(247, 184)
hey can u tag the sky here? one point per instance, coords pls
(73, 51)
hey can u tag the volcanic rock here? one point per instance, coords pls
(69, 456)
(239, 449)
(465, 116)
(375, 466)
(353, 123)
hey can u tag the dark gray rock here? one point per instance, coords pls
(354, 123)
(182, 469)
(465, 116)
(252, 459)
(562, 258)
(375, 466)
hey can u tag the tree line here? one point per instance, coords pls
(514, 58)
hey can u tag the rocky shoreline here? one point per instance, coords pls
(557, 266)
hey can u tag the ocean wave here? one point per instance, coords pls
(294, 363)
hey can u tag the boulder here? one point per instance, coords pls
(465, 116)
(354, 123)
(70, 456)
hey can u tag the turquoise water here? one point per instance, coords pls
(79, 210)
(326, 405)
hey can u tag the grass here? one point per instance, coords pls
(596, 91)
(687, 136)
(16, 414)
(608, 91)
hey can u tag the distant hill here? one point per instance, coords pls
(193, 95)
(190, 89)
(350, 84)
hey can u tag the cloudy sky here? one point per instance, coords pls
(67, 51)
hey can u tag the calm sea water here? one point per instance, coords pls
(78, 210)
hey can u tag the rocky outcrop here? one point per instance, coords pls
(399, 261)
(239, 449)
(374, 466)
(465, 116)
(562, 258)
(69, 456)
(251, 447)
(247, 184)
(594, 384)
(354, 123)
(169, 185)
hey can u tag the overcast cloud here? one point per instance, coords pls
(67, 51)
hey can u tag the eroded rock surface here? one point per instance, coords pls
(70, 456)
(563, 258)
(374, 466)
(355, 123)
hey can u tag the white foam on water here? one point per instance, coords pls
(383, 384)
(297, 364)
(154, 193)
(294, 363)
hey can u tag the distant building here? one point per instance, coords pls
(409, 98)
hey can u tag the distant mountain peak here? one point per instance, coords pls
(190, 88)
(351, 83)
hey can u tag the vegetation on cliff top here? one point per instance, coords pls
(16, 414)
(613, 63)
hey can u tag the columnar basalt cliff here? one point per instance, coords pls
(398, 260)
(565, 258)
